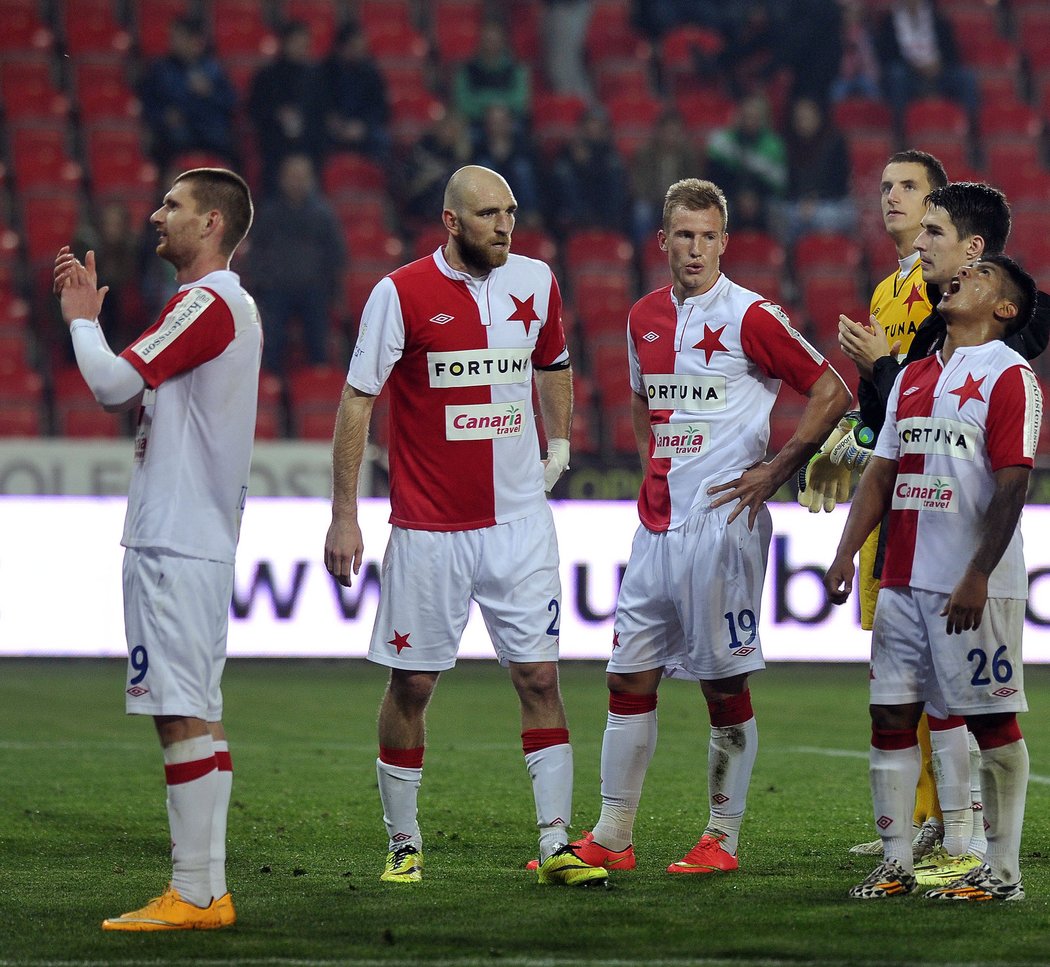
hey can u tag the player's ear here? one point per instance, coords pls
(975, 247)
(661, 238)
(450, 220)
(1005, 310)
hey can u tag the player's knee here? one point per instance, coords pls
(994, 731)
(411, 691)
(634, 683)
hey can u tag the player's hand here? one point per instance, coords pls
(752, 489)
(76, 286)
(557, 462)
(865, 343)
(966, 603)
(344, 549)
(838, 580)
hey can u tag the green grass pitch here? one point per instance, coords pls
(83, 831)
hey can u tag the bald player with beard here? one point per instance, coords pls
(458, 338)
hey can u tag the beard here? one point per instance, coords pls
(480, 256)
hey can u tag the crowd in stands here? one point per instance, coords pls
(348, 116)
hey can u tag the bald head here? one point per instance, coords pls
(471, 182)
(479, 215)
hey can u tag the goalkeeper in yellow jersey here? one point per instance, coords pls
(899, 305)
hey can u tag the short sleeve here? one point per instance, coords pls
(778, 349)
(1015, 411)
(380, 339)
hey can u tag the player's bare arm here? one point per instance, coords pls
(554, 388)
(865, 344)
(642, 427)
(870, 503)
(344, 546)
(965, 606)
(828, 401)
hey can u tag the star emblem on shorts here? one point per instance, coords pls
(616, 640)
(400, 641)
(970, 390)
(524, 311)
(711, 343)
(914, 296)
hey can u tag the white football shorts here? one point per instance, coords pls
(914, 659)
(176, 616)
(430, 577)
(691, 597)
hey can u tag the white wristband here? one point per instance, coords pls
(557, 462)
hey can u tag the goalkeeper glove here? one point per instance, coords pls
(821, 484)
(854, 450)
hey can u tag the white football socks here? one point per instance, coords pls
(1004, 784)
(731, 756)
(893, 774)
(627, 750)
(189, 768)
(399, 792)
(550, 770)
(223, 791)
(951, 772)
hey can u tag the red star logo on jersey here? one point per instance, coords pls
(524, 312)
(400, 641)
(711, 343)
(970, 390)
(914, 296)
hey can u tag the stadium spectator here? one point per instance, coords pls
(295, 261)
(858, 74)
(194, 377)
(502, 146)
(283, 103)
(654, 18)
(491, 76)
(187, 98)
(693, 583)
(469, 517)
(354, 101)
(444, 148)
(564, 33)
(818, 183)
(117, 244)
(964, 574)
(748, 157)
(810, 45)
(668, 156)
(919, 56)
(588, 186)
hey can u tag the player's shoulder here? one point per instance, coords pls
(411, 270)
(526, 268)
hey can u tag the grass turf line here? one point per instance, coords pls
(83, 830)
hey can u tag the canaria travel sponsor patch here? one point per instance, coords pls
(693, 394)
(484, 421)
(919, 491)
(679, 439)
(175, 323)
(479, 367)
(925, 434)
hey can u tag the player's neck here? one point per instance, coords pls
(201, 267)
(968, 331)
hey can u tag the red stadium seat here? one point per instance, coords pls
(703, 111)
(555, 118)
(103, 92)
(928, 117)
(42, 158)
(269, 420)
(116, 161)
(456, 29)
(750, 248)
(21, 400)
(601, 309)
(313, 397)
(633, 116)
(534, 243)
(525, 31)
(348, 174)
(76, 411)
(682, 50)
(23, 30)
(153, 19)
(50, 221)
(239, 28)
(393, 43)
(28, 90)
(826, 254)
(868, 155)
(862, 115)
(610, 34)
(607, 356)
(380, 13)
(404, 80)
(91, 27)
(825, 297)
(598, 249)
(1009, 119)
(429, 239)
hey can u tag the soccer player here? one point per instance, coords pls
(899, 305)
(707, 358)
(963, 220)
(951, 466)
(194, 376)
(459, 337)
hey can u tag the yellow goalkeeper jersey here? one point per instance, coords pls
(900, 304)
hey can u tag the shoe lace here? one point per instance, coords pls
(401, 853)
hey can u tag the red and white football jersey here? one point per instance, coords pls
(193, 449)
(457, 354)
(950, 426)
(710, 369)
